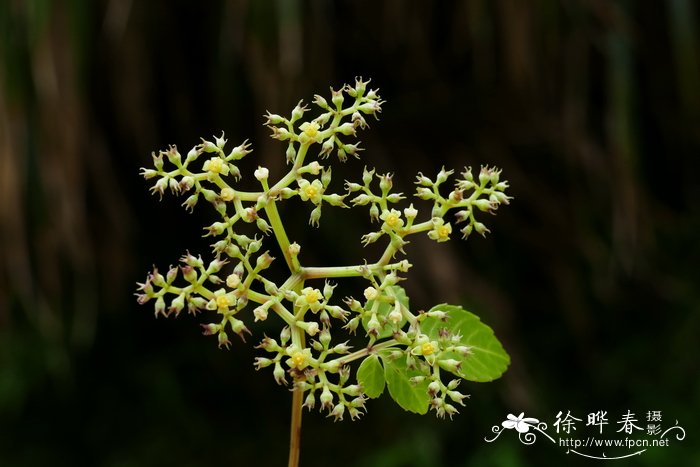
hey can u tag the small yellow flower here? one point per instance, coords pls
(221, 300)
(298, 358)
(216, 165)
(311, 191)
(310, 129)
(441, 231)
(427, 348)
(392, 219)
(227, 194)
(311, 295)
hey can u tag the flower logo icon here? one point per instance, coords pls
(520, 423)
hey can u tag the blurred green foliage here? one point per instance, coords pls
(591, 108)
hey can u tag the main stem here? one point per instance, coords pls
(297, 334)
(295, 428)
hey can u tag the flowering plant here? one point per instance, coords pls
(409, 351)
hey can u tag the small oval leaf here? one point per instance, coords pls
(370, 375)
(486, 360)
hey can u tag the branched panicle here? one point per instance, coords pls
(233, 292)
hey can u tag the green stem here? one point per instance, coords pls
(274, 216)
(345, 359)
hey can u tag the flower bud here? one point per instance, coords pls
(320, 101)
(433, 388)
(157, 161)
(351, 325)
(261, 173)
(326, 148)
(337, 98)
(223, 340)
(279, 374)
(273, 119)
(367, 176)
(424, 193)
(310, 401)
(361, 200)
(254, 246)
(264, 261)
(260, 313)
(263, 225)
(341, 348)
(291, 153)
(337, 412)
(220, 142)
(315, 217)
(410, 212)
(484, 205)
(326, 398)
(298, 111)
(346, 129)
(373, 326)
(481, 229)
(451, 365)
(371, 293)
(385, 183)
(374, 212)
(262, 362)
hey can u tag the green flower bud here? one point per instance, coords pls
(279, 374)
(264, 261)
(274, 119)
(326, 148)
(315, 217)
(157, 161)
(385, 183)
(374, 212)
(223, 340)
(310, 401)
(337, 98)
(220, 142)
(174, 156)
(484, 205)
(351, 325)
(481, 229)
(451, 365)
(263, 225)
(367, 176)
(325, 338)
(160, 307)
(346, 129)
(262, 362)
(337, 412)
(321, 102)
(291, 153)
(298, 112)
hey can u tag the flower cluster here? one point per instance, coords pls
(406, 349)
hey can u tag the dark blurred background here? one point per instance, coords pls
(590, 107)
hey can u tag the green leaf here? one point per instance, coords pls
(487, 359)
(371, 376)
(383, 310)
(411, 397)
